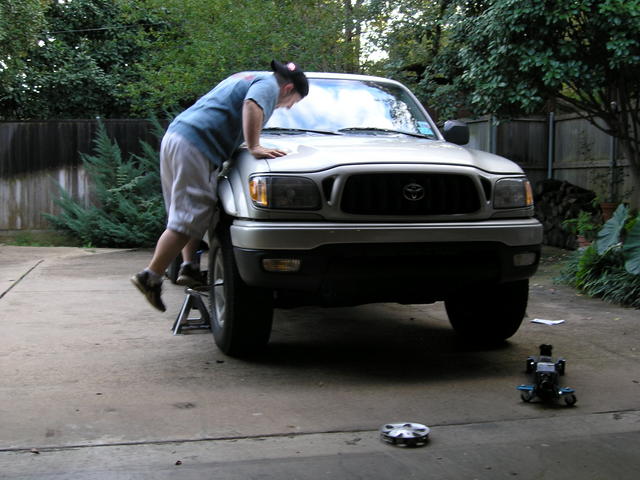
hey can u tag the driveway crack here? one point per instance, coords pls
(20, 279)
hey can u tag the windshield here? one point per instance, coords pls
(335, 105)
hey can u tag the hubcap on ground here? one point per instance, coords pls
(405, 434)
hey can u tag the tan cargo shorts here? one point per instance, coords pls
(189, 186)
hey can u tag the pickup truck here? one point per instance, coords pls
(371, 204)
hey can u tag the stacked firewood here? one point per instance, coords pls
(557, 201)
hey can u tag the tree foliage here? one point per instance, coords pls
(422, 48)
(21, 22)
(80, 63)
(519, 54)
(210, 39)
(120, 58)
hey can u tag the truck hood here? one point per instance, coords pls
(312, 152)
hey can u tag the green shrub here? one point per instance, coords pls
(609, 268)
(128, 209)
(583, 225)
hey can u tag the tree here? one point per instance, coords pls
(353, 22)
(210, 39)
(139, 57)
(21, 22)
(80, 63)
(518, 54)
(418, 37)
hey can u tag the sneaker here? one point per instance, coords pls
(151, 292)
(190, 276)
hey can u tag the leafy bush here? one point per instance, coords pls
(583, 225)
(610, 267)
(128, 210)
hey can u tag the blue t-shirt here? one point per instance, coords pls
(214, 123)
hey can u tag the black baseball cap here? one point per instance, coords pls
(292, 73)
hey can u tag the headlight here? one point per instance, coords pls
(284, 192)
(512, 193)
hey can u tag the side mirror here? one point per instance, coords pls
(456, 132)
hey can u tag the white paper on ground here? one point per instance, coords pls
(547, 322)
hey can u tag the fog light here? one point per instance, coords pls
(281, 264)
(524, 259)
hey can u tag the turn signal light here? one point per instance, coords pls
(258, 191)
(524, 259)
(528, 193)
(281, 264)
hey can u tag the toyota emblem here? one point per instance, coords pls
(413, 192)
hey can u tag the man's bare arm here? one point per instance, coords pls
(252, 116)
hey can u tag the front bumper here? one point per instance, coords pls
(363, 263)
(307, 236)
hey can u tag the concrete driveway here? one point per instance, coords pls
(95, 386)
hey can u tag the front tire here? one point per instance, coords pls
(489, 314)
(241, 316)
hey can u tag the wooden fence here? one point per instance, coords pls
(36, 158)
(564, 147)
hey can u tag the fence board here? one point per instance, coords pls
(42, 145)
(24, 198)
(524, 142)
(579, 141)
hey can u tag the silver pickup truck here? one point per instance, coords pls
(371, 204)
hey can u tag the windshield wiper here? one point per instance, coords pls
(384, 130)
(297, 130)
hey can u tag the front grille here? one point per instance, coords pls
(409, 194)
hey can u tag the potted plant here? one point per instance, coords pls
(611, 193)
(607, 209)
(584, 227)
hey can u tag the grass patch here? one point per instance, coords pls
(38, 238)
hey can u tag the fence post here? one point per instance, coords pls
(493, 137)
(613, 156)
(551, 145)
